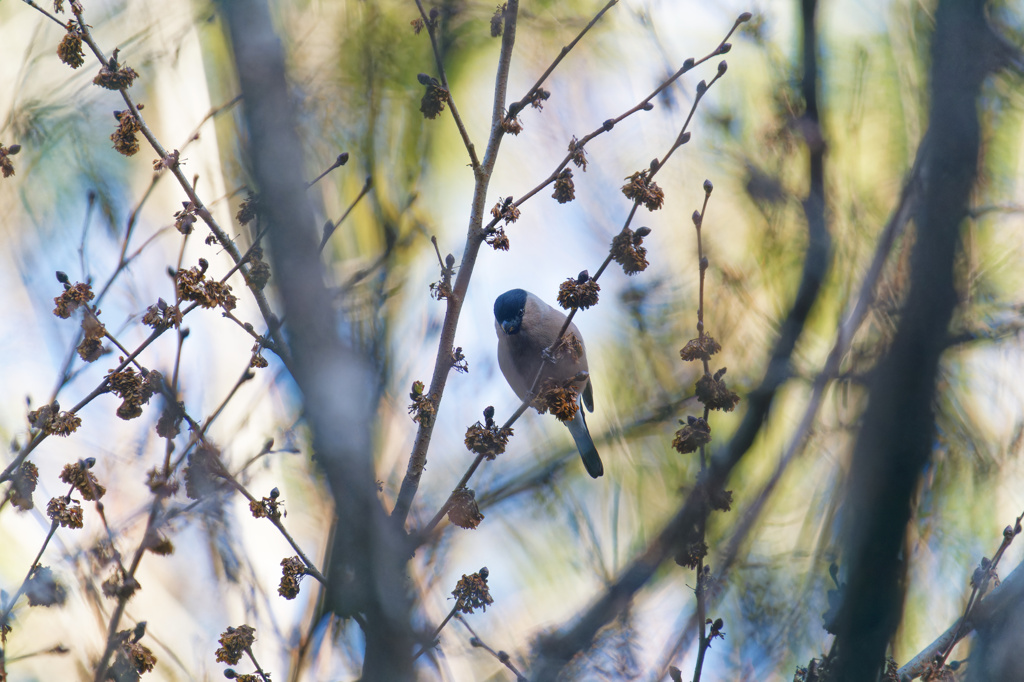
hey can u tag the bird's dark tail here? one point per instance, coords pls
(585, 444)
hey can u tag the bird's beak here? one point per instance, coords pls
(509, 327)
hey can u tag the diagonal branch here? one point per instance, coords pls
(474, 238)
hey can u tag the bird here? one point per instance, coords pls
(526, 326)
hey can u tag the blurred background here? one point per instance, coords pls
(551, 537)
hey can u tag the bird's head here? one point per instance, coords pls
(508, 310)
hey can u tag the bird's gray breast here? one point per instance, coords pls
(519, 359)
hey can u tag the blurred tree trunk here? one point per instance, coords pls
(336, 380)
(897, 430)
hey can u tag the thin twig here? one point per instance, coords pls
(338, 163)
(331, 227)
(516, 107)
(437, 632)
(431, 31)
(259, 670)
(501, 656)
(646, 104)
(33, 5)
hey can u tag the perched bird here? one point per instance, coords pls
(526, 326)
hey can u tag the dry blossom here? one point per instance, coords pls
(628, 251)
(463, 511)
(643, 190)
(561, 398)
(234, 642)
(565, 190)
(488, 439)
(580, 292)
(471, 592)
(6, 165)
(292, 571)
(70, 49)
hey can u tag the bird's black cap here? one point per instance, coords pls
(509, 306)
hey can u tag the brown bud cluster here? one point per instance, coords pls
(234, 642)
(133, 659)
(292, 571)
(124, 138)
(628, 251)
(93, 333)
(459, 361)
(498, 240)
(65, 511)
(185, 218)
(42, 588)
(204, 473)
(194, 286)
(570, 345)
(422, 408)
(257, 361)
(84, 481)
(559, 398)
(41, 417)
(115, 77)
(463, 510)
(70, 48)
(134, 389)
(434, 98)
(271, 507)
(73, 296)
(693, 435)
(50, 419)
(579, 155)
(538, 97)
(716, 628)
(64, 424)
(714, 394)
(511, 125)
(23, 484)
(6, 165)
(169, 423)
(440, 290)
(701, 348)
(471, 592)
(642, 190)
(159, 484)
(162, 315)
(90, 350)
(259, 269)
(487, 439)
(565, 190)
(506, 210)
(170, 160)
(248, 209)
(580, 292)
(692, 552)
(498, 20)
